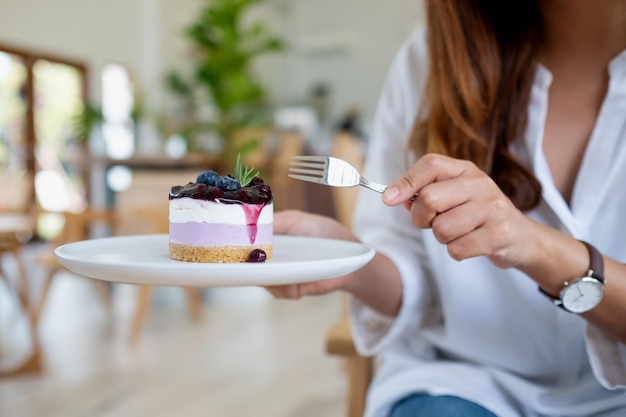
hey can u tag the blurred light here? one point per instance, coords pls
(117, 106)
(52, 191)
(5, 65)
(299, 118)
(175, 146)
(49, 225)
(119, 141)
(119, 178)
(117, 96)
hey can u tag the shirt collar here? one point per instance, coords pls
(617, 65)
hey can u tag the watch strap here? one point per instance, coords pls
(555, 300)
(596, 270)
(596, 263)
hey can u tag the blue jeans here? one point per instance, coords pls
(424, 405)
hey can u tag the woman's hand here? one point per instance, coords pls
(465, 209)
(292, 222)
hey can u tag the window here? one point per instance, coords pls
(42, 160)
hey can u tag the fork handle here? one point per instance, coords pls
(379, 188)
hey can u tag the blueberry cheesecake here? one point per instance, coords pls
(221, 218)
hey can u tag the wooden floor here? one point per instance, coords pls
(251, 356)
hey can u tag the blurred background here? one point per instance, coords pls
(104, 105)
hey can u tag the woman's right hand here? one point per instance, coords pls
(299, 223)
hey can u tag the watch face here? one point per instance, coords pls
(582, 295)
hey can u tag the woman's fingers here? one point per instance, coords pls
(297, 291)
(288, 222)
(457, 222)
(437, 198)
(482, 242)
(291, 291)
(428, 169)
(299, 223)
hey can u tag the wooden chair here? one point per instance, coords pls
(288, 193)
(77, 226)
(349, 148)
(359, 369)
(15, 231)
(143, 209)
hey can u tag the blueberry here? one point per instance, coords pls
(264, 190)
(208, 177)
(228, 183)
(256, 181)
(257, 255)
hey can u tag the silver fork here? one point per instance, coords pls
(331, 171)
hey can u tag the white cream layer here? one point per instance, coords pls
(183, 210)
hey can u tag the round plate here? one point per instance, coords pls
(144, 259)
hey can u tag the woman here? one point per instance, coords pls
(519, 111)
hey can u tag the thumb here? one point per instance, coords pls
(427, 169)
(400, 191)
(391, 195)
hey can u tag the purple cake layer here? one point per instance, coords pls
(215, 234)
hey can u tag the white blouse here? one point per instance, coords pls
(469, 328)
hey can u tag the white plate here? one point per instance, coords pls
(144, 259)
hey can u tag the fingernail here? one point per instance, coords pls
(390, 194)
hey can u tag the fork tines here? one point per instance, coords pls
(309, 168)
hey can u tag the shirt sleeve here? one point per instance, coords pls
(607, 357)
(389, 229)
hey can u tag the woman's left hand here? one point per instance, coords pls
(465, 209)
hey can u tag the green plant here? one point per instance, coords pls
(225, 49)
(85, 120)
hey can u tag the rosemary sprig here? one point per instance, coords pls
(244, 174)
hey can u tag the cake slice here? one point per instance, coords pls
(219, 220)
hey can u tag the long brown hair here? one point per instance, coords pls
(482, 55)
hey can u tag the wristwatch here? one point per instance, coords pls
(586, 292)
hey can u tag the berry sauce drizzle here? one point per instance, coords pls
(252, 212)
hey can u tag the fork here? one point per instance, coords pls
(331, 171)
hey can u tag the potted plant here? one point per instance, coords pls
(224, 50)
